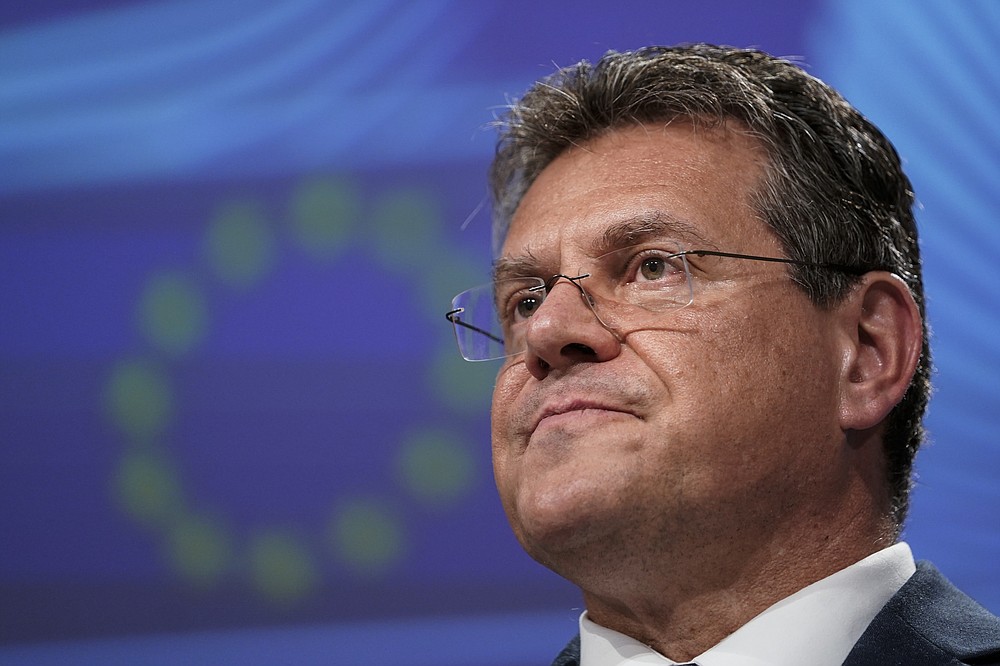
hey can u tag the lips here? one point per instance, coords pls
(572, 405)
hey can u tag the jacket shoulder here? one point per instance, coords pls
(570, 656)
(929, 621)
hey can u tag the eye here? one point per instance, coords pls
(517, 300)
(526, 306)
(656, 266)
(652, 268)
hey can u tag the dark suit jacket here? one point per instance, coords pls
(929, 622)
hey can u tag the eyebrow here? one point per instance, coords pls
(507, 268)
(647, 226)
(622, 233)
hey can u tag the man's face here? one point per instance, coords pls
(713, 427)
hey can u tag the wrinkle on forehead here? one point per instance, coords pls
(637, 185)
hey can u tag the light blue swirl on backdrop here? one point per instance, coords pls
(189, 89)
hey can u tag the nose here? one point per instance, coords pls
(565, 330)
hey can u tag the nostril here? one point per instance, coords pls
(578, 349)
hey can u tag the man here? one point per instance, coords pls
(708, 302)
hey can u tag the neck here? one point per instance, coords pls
(688, 602)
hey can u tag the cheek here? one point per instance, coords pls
(509, 383)
(694, 353)
(726, 368)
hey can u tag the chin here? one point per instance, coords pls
(562, 518)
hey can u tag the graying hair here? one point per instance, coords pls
(833, 191)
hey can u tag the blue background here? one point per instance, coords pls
(233, 425)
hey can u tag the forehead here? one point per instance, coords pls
(696, 180)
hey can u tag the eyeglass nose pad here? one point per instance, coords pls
(586, 296)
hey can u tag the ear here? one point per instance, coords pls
(884, 340)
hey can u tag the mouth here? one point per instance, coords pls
(577, 410)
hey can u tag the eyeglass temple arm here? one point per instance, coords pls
(453, 317)
(779, 260)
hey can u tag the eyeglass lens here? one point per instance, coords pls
(621, 287)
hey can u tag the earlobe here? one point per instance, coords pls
(885, 340)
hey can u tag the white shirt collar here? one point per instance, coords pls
(818, 625)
